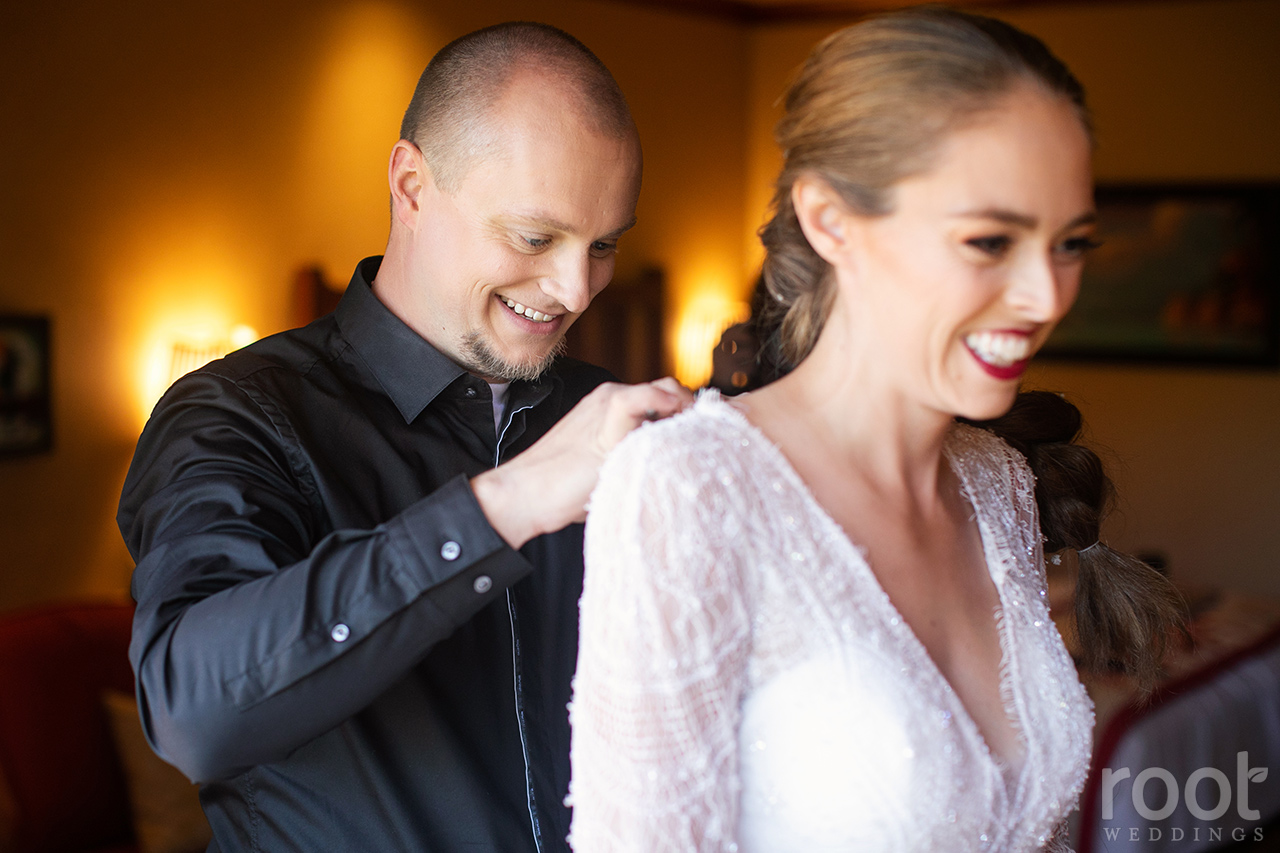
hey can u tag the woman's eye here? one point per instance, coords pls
(993, 246)
(1078, 247)
(535, 242)
(601, 248)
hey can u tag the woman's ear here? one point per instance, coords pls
(823, 217)
(408, 176)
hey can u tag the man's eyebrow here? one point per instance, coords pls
(618, 232)
(1022, 220)
(552, 224)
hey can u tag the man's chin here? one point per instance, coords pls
(484, 360)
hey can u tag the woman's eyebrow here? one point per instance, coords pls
(1022, 220)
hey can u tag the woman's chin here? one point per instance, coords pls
(988, 406)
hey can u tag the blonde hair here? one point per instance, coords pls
(868, 109)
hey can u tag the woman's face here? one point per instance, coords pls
(948, 296)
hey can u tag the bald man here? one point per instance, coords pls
(358, 547)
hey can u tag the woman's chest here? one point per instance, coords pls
(851, 738)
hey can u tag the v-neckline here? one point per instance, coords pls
(1010, 773)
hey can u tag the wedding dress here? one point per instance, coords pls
(744, 683)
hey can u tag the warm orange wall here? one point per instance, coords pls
(172, 165)
(1180, 91)
(164, 161)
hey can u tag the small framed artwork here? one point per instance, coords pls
(1187, 274)
(25, 425)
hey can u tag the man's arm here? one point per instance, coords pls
(251, 637)
(253, 634)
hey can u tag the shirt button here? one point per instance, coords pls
(340, 633)
(483, 584)
(450, 550)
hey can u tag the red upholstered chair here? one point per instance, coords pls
(57, 757)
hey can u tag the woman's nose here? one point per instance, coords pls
(1038, 291)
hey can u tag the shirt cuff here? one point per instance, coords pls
(455, 549)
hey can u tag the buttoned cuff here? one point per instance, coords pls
(455, 547)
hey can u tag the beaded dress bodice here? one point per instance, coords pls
(745, 684)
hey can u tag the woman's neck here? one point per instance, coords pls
(839, 400)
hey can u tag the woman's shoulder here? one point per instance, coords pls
(686, 453)
(705, 434)
(993, 471)
(983, 448)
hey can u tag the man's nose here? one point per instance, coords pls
(570, 282)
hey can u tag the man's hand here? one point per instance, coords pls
(546, 487)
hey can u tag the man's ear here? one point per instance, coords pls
(823, 217)
(408, 176)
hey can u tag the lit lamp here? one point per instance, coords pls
(185, 356)
(175, 352)
(698, 331)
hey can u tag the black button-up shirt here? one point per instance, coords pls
(330, 636)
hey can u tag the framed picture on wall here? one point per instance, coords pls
(1186, 274)
(25, 425)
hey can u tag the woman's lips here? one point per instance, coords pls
(1002, 354)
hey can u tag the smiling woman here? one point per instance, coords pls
(814, 617)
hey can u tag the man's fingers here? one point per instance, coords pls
(546, 487)
(670, 383)
(631, 405)
(655, 400)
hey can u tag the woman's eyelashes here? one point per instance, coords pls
(993, 246)
(996, 246)
(1078, 247)
(532, 242)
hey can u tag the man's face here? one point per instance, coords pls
(500, 268)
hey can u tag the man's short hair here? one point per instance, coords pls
(448, 116)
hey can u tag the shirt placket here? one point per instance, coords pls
(513, 615)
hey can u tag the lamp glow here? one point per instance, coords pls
(178, 352)
(701, 324)
(186, 355)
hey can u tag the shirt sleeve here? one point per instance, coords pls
(662, 661)
(255, 632)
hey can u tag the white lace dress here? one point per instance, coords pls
(744, 683)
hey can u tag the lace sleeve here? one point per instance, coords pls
(662, 658)
(1059, 842)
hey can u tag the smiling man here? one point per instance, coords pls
(358, 562)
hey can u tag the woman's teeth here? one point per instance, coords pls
(535, 316)
(998, 348)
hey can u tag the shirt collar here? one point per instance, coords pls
(410, 370)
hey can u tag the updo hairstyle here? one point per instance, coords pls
(871, 107)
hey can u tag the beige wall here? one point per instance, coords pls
(1181, 91)
(171, 166)
(168, 168)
